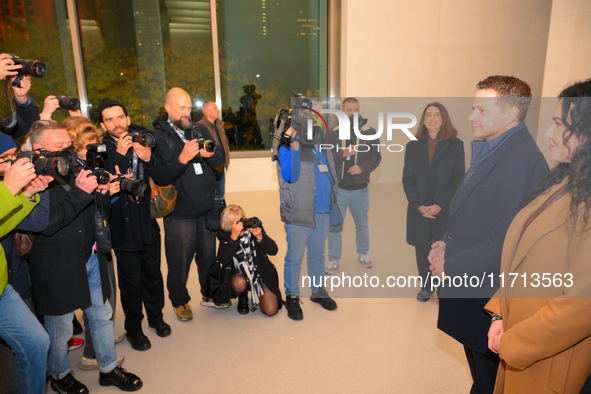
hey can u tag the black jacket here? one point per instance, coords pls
(25, 115)
(131, 221)
(426, 185)
(58, 259)
(195, 192)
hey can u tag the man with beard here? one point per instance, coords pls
(188, 167)
(135, 235)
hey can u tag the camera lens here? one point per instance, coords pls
(144, 138)
(101, 176)
(133, 186)
(51, 166)
(69, 103)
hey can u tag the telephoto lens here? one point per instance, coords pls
(145, 138)
(53, 166)
(251, 223)
(34, 68)
(136, 187)
(69, 154)
(208, 145)
(69, 103)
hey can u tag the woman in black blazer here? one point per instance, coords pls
(433, 168)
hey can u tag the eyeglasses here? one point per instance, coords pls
(231, 209)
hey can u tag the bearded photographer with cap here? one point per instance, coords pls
(135, 235)
(68, 266)
(189, 167)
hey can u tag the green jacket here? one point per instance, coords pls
(13, 209)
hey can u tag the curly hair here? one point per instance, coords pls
(577, 173)
(447, 131)
(82, 132)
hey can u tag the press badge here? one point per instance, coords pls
(322, 168)
(198, 169)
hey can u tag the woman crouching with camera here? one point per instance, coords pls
(245, 249)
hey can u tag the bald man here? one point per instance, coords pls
(189, 168)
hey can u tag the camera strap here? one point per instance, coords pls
(13, 120)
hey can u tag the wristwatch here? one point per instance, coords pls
(495, 318)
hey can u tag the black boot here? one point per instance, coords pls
(243, 303)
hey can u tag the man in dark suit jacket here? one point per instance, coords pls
(135, 235)
(68, 268)
(505, 165)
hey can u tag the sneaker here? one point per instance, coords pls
(331, 267)
(119, 336)
(119, 377)
(292, 304)
(75, 343)
(90, 364)
(424, 295)
(184, 312)
(365, 261)
(68, 385)
(322, 298)
(209, 302)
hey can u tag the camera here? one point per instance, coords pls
(69, 154)
(30, 67)
(253, 222)
(361, 121)
(69, 103)
(132, 186)
(208, 145)
(144, 137)
(53, 166)
(298, 120)
(95, 156)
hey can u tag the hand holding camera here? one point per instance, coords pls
(7, 66)
(18, 175)
(37, 185)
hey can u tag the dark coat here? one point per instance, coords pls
(195, 192)
(58, 260)
(426, 185)
(368, 161)
(267, 270)
(25, 116)
(480, 214)
(131, 221)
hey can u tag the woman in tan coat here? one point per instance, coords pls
(541, 314)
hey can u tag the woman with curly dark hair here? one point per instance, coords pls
(433, 168)
(541, 325)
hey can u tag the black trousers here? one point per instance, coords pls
(483, 368)
(184, 240)
(140, 282)
(423, 266)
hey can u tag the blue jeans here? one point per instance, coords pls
(28, 340)
(220, 177)
(358, 203)
(298, 238)
(101, 329)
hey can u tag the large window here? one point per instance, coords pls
(135, 50)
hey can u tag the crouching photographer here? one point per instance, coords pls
(19, 327)
(136, 236)
(244, 246)
(307, 189)
(68, 264)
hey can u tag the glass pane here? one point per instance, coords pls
(269, 51)
(39, 30)
(135, 50)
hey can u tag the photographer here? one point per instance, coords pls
(244, 245)
(136, 236)
(307, 180)
(215, 126)
(18, 325)
(188, 167)
(69, 269)
(27, 110)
